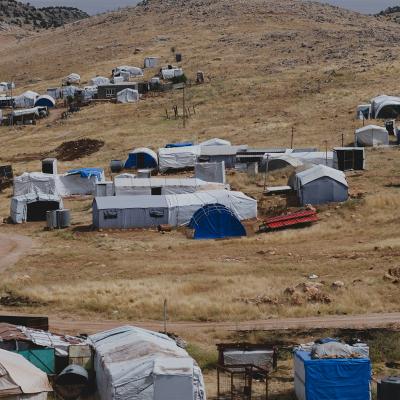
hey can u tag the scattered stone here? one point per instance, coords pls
(337, 285)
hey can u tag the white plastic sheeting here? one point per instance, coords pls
(379, 102)
(171, 73)
(133, 363)
(178, 157)
(20, 379)
(319, 171)
(311, 157)
(151, 62)
(278, 161)
(210, 172)
(55, 93)
(125, 212)
(26, 111)
(216, 142)
(128, 96)
(370, 136)
(127, 69)
(69, 91)
(26, 99)
(99, 80)
(75, 185)
(146, 186)
(72, 78)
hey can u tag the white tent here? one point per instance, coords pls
(385, 106)
(216, 142)
(99, 80)
(311, 157)
(177, 157)
(371, 135)
(125, 212)
(128, 96)
(20, 379)
(279, 161)
(133, 363)
(151, 62)
(161, 186)
(132, 71)
(69, 91)
(26, 99)
(89, 92)
(72, 78)
(171, 73)
(26, 111)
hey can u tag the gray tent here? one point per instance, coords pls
(133, 363)
(320, 184)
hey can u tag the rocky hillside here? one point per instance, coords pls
(14, 13)
(391, 14)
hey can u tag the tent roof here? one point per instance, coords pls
(220, 150)
(320, 171)
(371, 128)
(87, 172)
(46, 97)
(27, 378)
(144, 150)
(130, 202)
(216, 142)
(293, 161)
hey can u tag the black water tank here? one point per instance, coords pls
(178, 57)
(389, 388)
(116, 166)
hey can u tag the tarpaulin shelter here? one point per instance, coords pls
(320, 184)
(19, 379)
(33, 207)
(55, 93)
(161, 185)
(211, 171)
(171, 73)
(220, 152)
(280, 161)
(72, 78)
(215, 221)
(127, 69)
(178, 157)
(125, 212)
(69, 91)
(216, 142)
(331, 379)
(371, 136)
(142, 157)
(99, 80)
(151, 62)
(385, 107)
(133, 363)
(26, 99)
(128, 96)
(310, 157)
(45, 101)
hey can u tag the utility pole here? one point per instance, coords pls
(326, 152)
(266, 173)
(292, 138)
(342, 139)
(12, 103)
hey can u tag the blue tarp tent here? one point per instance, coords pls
(331, 379)
(87, 172)
(45, 101)
(142, 158)
(182, 144)
(215, 221)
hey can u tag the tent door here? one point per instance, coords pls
(156, 191)
(140, 161)
(36, 211)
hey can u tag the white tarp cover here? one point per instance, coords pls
(210, 172)
(177, 157)
(19, 205)
(319, 171)
(55, 93)
(26, 111)
(69, 91)
(21, 379)
(312, 157)
(371, 135)
(144, 186)
(277, 161)
(126, 212)
(151, 62)
(72, 78)
(171, 73)
(99, 80)
(89, 92)
(216, 142)
(377, 103)
(128, 96)
(133, 363)
(26, 99)
(132, 71)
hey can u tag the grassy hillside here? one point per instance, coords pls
(269, 66)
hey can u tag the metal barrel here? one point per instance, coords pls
(51, 219)
(63, 218)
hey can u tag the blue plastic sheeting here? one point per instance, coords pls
(335, 379)
(147, 161)
(215, 221)
(182, 144)
(87, 172)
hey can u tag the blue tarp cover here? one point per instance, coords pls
(87, 172)
(182, 144)
(215, 221)
(336, 379)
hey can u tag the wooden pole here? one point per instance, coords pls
(266, 173)
(292, 138)
(326, 152)
(184, 106)
(342, 139)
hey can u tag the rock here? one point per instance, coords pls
(337, 284)
(313, 276)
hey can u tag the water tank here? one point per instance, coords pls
(178, 57)
(63, 218)
(51, 219)
(49, 166)
(116, 166)
(389, 388)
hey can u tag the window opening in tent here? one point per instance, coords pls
(156, 191)
(110, 92)
(110, 214)
(36, 211)
(154, 213)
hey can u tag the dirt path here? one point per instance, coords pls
(350, 322)
(12, 247)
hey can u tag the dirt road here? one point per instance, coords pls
(12, 247)
(350, 322)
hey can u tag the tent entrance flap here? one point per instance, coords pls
(36, 211)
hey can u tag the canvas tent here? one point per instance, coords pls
(161, 186)
(125, 212)
(69, 91)
(99, 80)
(215, 221)
(171, 73)
(26, 99)
(320, 184)
(310, 157)
(133, 363)
(210, 172)
(128, 96)
(33, 207)
(385, 107)
(142, 158)
(216, 142)
(151, 62)
(127, 69)
(20, 380)
(55, 93)
(45, 101)
(72, 78)
(220, 152)
(371, 136)
(280, 161)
